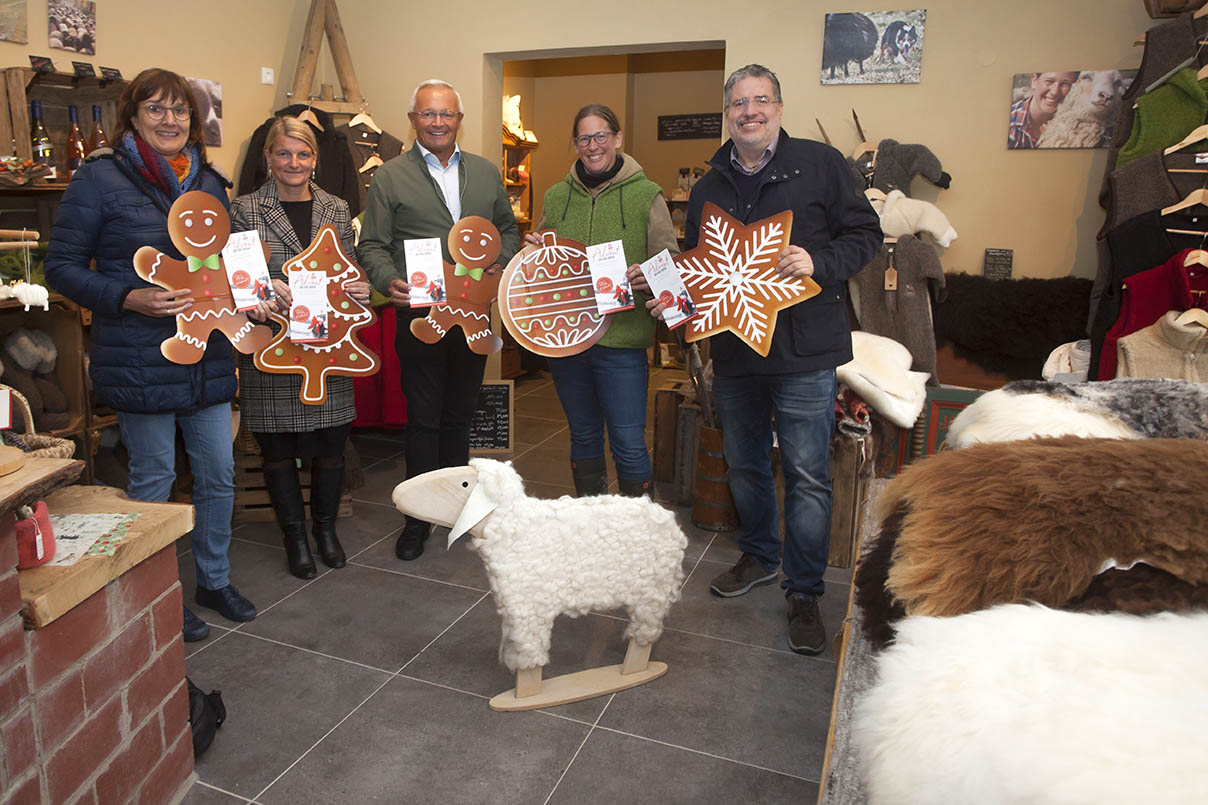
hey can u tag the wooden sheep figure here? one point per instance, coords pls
(545, 558)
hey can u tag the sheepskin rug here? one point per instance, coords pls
(1127, 408)
(1023, 704)
(1037, 520)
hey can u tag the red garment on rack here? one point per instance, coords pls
(379, 398)
(1146, 297)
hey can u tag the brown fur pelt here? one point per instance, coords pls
(1140, 590)
(878, 608)
(1035, 520)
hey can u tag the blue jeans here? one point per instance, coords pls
(605, 386)
(151, 441)
(803, 405)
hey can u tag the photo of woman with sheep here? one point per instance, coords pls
(1066, 109)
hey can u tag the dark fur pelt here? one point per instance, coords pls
(1011, 326)
(879, 609)
(1034, 520)
(1140, 590)
(1154, 409)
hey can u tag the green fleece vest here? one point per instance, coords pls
(598, 220)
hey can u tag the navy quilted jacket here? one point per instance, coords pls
(107, 213)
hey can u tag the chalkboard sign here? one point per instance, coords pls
(997, 265)
(690, 127)
(491, 428)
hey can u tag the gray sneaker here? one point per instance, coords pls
(806, 633)
(742, 577)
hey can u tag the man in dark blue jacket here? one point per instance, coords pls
(759, 172)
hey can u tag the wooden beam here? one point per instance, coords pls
(341, 55)
(308, 58)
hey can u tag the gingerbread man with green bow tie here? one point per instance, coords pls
(199, 227)
(471, 286)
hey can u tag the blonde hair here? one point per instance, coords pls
(291, 127)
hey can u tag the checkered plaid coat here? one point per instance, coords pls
(269, 403)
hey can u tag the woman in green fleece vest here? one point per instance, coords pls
(606, 197)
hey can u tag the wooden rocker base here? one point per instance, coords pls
(533, 693)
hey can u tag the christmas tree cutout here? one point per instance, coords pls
(341, 353)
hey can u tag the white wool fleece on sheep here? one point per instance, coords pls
(1021, 703)
(570, 556)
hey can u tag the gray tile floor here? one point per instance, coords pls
(370, 683)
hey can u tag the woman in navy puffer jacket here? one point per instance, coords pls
(117, 202)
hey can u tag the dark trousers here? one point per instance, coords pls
(440, 382)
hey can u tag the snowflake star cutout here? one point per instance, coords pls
(732, 278)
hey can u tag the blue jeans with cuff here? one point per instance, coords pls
(803, 406)
(605, 386)
(151, 442)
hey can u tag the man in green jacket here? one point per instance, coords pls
(420, 194)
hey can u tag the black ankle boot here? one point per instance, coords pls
(281, 480)
(410, 543)
(591, 476)
(326, 484)
(634, 489)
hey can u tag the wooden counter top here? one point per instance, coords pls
(48, 592)
(34, 480)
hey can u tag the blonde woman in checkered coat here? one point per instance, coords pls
(288, 210)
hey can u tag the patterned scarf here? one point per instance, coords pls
(158, 170)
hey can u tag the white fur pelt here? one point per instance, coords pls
(879, 372)
(570, 556)
(1117, 409)
(1024, 704)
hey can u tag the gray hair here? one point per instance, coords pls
(435, 82)
(751, 71)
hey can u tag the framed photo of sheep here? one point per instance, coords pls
(1066, 109)
(873, 47)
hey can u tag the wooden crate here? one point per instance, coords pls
(667, 399)
(849, 455)
(251, 496)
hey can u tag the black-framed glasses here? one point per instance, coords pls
(759, 102)
(443, 114)
(157, 111)
(600, 137)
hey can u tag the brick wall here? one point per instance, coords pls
(93, 707)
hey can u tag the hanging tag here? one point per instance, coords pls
(891, 279)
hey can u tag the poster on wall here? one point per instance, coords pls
(13, 14)
(873, 47)
(1070, 109)
(72, 25)
(209, 105)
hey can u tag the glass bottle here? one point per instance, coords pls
(40, 140)
(75, 143)
(98, 138)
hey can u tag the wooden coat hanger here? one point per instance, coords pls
(1193, 315)
(873, 194)
(1197, 134)
(308, 116)
(374, 161)
(1196, 257)
(363, 119)
(1197, 196)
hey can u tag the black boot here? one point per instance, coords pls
(634, 489)
(326, 484)
(591, 476)
(410, 543)
(281, 480)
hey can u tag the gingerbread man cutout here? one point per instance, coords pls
(199, 227)
(471, 286)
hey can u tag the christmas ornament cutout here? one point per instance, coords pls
(341, 353)
(549, 302)
(470, 288)
(199, 227)
(731, 275)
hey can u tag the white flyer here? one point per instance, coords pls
(425, 271)
(607, 264)
(308, 311)
(247, 271)
(666, 286)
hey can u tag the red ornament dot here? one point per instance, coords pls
(297, 359)
(326, 250)
(205, 277)
(209, 292)
(466, 283)
(540, 298)
(465, 296)
(333, 291)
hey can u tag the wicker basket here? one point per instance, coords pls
(42, 445)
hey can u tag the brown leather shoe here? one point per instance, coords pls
(747, 573)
